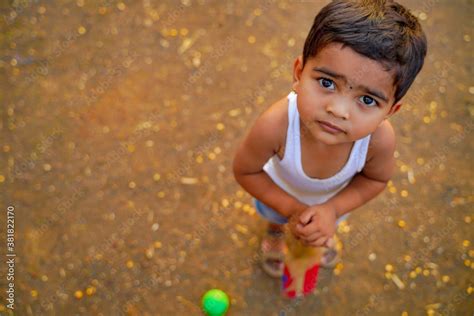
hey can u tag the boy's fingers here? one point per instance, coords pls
(313, 237)
(330, 243)
(319, 242)
(309, 229)
(305, 217)
(299, 227)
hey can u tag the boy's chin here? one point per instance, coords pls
(330, 139)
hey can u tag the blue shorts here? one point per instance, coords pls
(272, 216)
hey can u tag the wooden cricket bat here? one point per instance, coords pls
(301, 268)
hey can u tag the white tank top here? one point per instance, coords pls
(289, 175)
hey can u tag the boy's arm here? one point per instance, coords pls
(375, 175)
(261, 143)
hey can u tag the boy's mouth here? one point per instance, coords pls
(331, 128)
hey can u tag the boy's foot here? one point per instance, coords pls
(331, 256)
(273, 250)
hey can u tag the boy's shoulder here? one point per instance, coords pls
(276, 116)
(382, 140)
(263, 140)
(380, 160)
(278, 111)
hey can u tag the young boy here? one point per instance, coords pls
(327, 148)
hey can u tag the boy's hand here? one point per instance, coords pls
(317, 225)
(294, 221)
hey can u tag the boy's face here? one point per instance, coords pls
(345, 89)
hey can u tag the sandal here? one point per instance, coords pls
(273, 250)
(331, 257)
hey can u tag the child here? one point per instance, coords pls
(327, 148)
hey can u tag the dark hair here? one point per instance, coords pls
(382, 30)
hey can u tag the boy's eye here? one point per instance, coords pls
(368, 100)
(326, 83)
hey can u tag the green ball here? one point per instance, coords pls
(215, 302)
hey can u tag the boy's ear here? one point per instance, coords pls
(297, 70)
(394, 109)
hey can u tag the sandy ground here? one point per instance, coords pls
(119, 124)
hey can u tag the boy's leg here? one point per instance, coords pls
(275, 227)
(273, 250)
(273, 246)
(332, 255)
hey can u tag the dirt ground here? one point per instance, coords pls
(119, 121)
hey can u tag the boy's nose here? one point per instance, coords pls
(339, 109)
